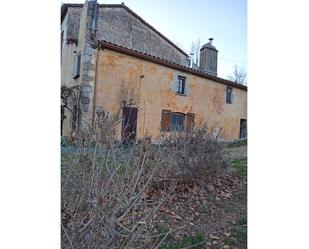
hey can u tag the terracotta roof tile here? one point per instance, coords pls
(158, 60)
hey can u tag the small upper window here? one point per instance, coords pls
(229, 95)
(181, 83)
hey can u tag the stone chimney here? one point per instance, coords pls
(209, 58)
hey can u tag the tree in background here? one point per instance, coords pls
(195, 51)
(239, 75)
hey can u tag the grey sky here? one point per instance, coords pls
(184, 21)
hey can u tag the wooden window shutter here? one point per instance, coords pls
(190, 121)
(165, 120)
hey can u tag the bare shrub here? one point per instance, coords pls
(104, 192)
(107, 198)
(197, 152)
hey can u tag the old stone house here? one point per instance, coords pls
(124, 65)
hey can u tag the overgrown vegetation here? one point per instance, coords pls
(107, 199)
(139, 195)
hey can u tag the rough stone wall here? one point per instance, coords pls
(208, 61)
(77, 25)
(87, 47)
(119, 73)
(118, 26)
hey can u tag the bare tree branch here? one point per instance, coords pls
(195, 50)
(239, 75)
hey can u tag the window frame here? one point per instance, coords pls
(229, 92)
(181, 87)
(166, 121)
(172, 126)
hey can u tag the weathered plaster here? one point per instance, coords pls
(151, 86)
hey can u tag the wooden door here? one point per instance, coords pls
(243, 128)
(129, 123)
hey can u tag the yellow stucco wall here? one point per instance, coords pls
(119, 78)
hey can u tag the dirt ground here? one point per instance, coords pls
(210, 213)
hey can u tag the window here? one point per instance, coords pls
(76, 72)
(229, 95)
(181, 83)
(175, 121)
(178, 122)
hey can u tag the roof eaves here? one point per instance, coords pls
(155, 59)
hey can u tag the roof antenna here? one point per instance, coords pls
(210, 40)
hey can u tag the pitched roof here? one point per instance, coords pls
(105, 44)
(64, 10)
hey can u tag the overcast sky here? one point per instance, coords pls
(184, 21)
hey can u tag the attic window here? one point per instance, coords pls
(229, 95)
(181, 84)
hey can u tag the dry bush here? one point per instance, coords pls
(106, 188)
(197, 152)
(104, 192)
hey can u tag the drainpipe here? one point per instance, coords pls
(95, 88)
(94, 18)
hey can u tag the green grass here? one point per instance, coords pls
(193, 241)
(240, 233)
(241, 166)
(242, 221)
(230, 241)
